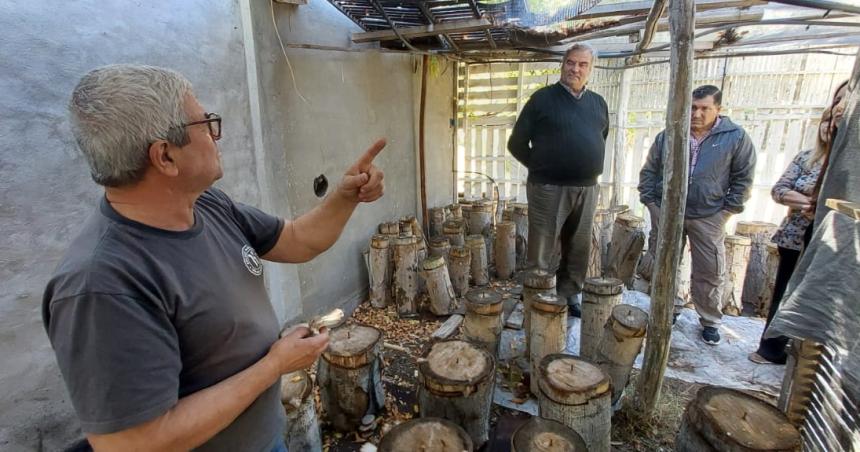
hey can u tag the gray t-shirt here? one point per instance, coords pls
(140, 317)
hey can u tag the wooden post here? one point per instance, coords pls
(599, 296)
(505, 249)
(676, 153)
(722, 420)
(454, 211)
(302, 431)
(737, 257)
(547, 332)
(759, 233)
(380, 271)
(520, 216)
(460, 260)
(350, 376)
(439, 287)
(542, 435)
(440, 246)
(619, 149)
(535, 282)
(456, 381)
(437, 218)
(576, 393)
(483, 323)
(478, 247)
(454, 230)
(426, 434)
(406, 275)
(621, 343)
(765, 297)
(628, 239)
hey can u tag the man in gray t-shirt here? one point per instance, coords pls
(158, 314)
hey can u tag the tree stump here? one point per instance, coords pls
(547, 332)
(456, 383)
(380, 271)
(545, 435)
(454, 230)
(426, 434)
(460, 260)
(350, 376)
(483, 324)
(621, 343)
(410, 225)
(628, 239)
(302, 430)
(576, 393)
(595, 255)
(505, 249)
(722, 420)
(479, 268)
(406, 275)
(480, 218)
(437, 218)
(759, 234)
(520, 216)
(391, 228)
(440, 246)
(599, 296)
(535, 282)
(737, 257)
(439, 287)
(765, 297)
(454, 211)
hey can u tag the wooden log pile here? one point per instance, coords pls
(599, 296)
(737, 258)
(757, 276)
(628, 240)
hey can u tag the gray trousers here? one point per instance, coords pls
(560, 220)
(706, 237)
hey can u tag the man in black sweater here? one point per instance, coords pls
(560, 136)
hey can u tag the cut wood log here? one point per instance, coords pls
(410, 225)
(405, 286)
(684, 277)
(759, 233)
(380, 271)
(456, 381)
(460, 260)
(392, 228)
(621, 343)
(505, 249)
(480, 218)
(440, 246)
(350, 376)
(483, 324)
(302, 430)
(599, 297)
(437, 218)
(577, 393)
(765, 297)
(439, 287)
(449, 328)
(628, 239)
(595, 261)
(454, 229)
(547, 332)
(722, 419)
(520, 216)
(546, 435)
(480, 266)
(421, 255)
(535, 282)
(426, 434)
(737, 257)
(454, 211)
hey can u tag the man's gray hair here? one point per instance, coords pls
(581, 46)
(118, 111)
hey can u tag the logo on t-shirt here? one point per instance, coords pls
(252, 261)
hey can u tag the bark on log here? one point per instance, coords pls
(480, 218)
(535, 282)
(621, 343)
(449, 328)
(480, 266)
(546, 435)
(505, 249)
(628, 239)
(437, 218)
(759, 234)
(350, 376)
(409, 224)
(391, 228)
(439, 287)
(483, 324)
(685, 277)
(576, 393)
(737, 257)
(595, 261)
(454, 211)
(380, 271)
(456, 381)
(426, 434)
(302, 431)
(440, 246)
(722, 420)
(520, 216)
(766, 295)
(406, 275)
(460, 259)
(547, 332)
(454, 229)
(599, 297)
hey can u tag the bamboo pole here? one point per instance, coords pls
(676, 165)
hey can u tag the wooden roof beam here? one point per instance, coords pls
(444, 38)
(823, 4)
(645, 7)
(454, 26)
(657, 10)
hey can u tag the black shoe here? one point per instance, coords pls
(573, 310)
(711, 335)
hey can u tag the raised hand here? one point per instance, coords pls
(363, 182)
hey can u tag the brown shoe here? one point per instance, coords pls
(758, 359)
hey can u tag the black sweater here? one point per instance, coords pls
(567, 135)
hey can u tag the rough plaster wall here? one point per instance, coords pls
(45, 190)
(438, 131)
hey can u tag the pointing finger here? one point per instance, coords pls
(370, 154)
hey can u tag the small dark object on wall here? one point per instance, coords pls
(320, 186)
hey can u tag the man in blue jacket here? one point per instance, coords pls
(722, 164)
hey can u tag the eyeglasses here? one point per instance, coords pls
(212, 120)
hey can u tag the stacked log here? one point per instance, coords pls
(577, 393)
(480, 266)
(765, 297)
(454, 211)
(628, 239)
(425, 434)
(505, 249)
(599, 296)
(456, 383)
(390, 228)
(454, 230)
(480, 218)
(437, 218)
(621, 343)
(547, 331)
(759, 234)
(460, 261)
(440, 246)
(439, 287)
(737, 257)
(595, 255)
(520, 216)
(380, 271)
(545, 435)
(406, 275)
(302, 430)
(483, 323)
(722, 419)
(535, 282)
(350, 376)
